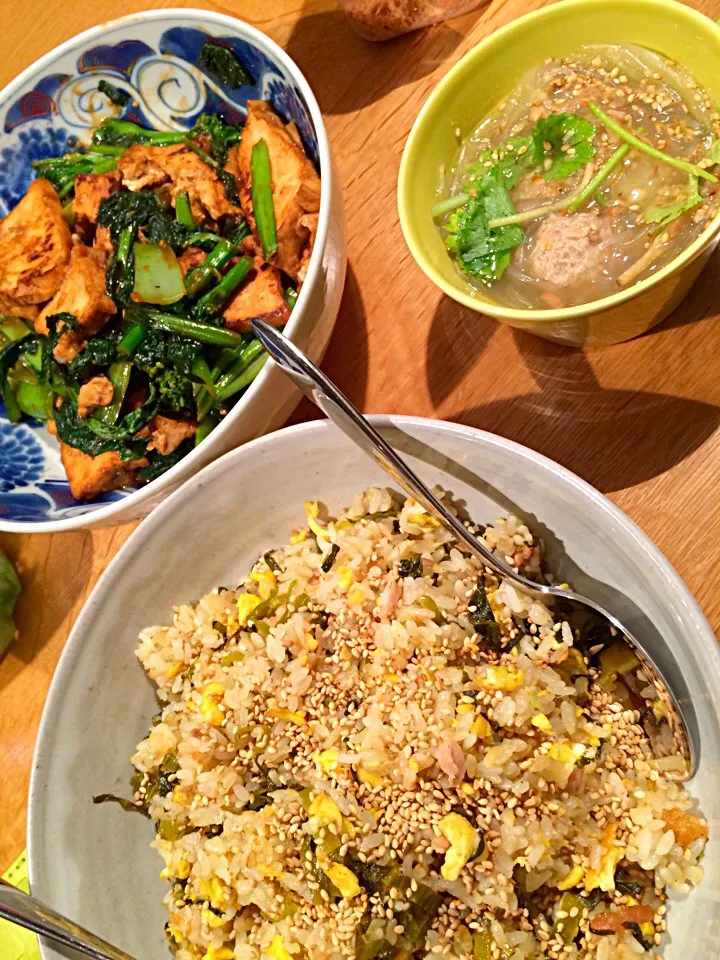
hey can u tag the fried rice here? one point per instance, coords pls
(370, 748)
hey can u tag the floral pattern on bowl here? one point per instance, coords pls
(157, 62)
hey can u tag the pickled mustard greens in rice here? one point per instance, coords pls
(594, 173)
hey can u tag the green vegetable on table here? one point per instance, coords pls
(124, 133)
(510, 162)
(201, 276)
(588, 192)
(34, 399)
(225, 376)
(185, 327)
(634, 141)
(132, 339)
(62, 171)
(262, 198)
(9, 355)
(10, 589)
(124, 214)
(216, 298)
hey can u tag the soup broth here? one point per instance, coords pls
(593, 174)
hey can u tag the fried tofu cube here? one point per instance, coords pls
(191, 175)
(83, 295)
(167, 434)
(295, 185)
(183, 171)
(35, 245)
(90, 190)
(102, 245)
(90, 476)
(260, 297)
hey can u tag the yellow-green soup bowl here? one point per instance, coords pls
(481, 80)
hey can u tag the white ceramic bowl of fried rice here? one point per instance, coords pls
(423, 669)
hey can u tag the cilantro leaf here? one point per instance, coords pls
(511, 161)
(665, 213)
(560, 130)
(480, 250)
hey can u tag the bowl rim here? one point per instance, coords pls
(413, 147)
(704, 637)
(241, 28)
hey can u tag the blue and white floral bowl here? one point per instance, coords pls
(54, 104)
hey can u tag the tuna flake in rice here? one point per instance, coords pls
(372, 749)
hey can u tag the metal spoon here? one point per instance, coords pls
(335, 405)
(26, 911)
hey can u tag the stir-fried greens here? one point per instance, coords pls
(129, 276)
(589, 176)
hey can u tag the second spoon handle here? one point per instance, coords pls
(23, 909)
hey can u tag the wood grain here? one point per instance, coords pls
(638, 420)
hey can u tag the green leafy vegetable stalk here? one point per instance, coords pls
(629, 137)
(262, 197)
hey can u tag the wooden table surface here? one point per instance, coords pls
(638, 420)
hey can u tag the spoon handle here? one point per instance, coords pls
(336, 406)
(26, 911)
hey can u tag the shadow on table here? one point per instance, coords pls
(700, 304)
(348, 73)
(50, 591)
(613, 438)
(346, 359)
